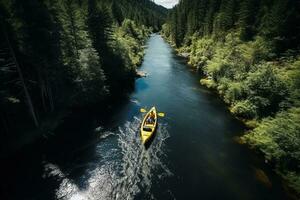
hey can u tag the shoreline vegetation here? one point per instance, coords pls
(254, 66)
(58, 57)
(249, 137)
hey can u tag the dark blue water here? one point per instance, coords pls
(193, 155)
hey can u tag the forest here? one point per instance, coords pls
(248, 51)
(59, 55)
(64, 56)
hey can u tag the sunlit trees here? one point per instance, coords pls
(279, 139)
(60, 54)
(248, 51)
(266, 90)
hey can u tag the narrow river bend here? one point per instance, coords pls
(193, 155)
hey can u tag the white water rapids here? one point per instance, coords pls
(123, 171)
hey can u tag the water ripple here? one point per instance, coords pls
(123, 171)
(138, 164)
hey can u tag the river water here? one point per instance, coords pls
(193, 155)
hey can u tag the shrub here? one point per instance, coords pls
(235, 91)
(201, 50)
(208, 83)
(279, 138)
(266, 89)
(244, 109)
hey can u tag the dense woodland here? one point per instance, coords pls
(56, 55)
(59, 54)
(248, 51)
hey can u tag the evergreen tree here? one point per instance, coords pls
(247, 13)
(57, 54)
(117, 12)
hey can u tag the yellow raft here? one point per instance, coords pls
(149, 125)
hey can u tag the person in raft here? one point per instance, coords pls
(150, 119)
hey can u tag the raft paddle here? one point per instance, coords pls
(160, 114)
(143, 110)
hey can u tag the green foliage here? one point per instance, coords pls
(280, 23)
(247, 14)
(144, 12)
(248, 51)
(244, 109)
(266, 89)
(293, 179)
(234, 91)
(275, 20)
(201, 51)
(208, 83)
(130, 38)
(90, 79)
(292, 78)
(79, 56)
(224, 19)
(240, 73)
(279, 138)
(166, 31)
(65, 53)
(257, 50)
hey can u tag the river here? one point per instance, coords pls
(194, 154)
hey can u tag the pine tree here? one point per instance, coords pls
(78, 49)
(209, 17)
(117, 12)
(248, 11)
(224, 19)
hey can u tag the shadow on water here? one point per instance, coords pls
(67, 162)
(39, 170)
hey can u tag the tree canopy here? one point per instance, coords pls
(249, 52)
(55, 55)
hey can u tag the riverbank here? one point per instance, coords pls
(22, 133)
(262, 104)
(51, 66)
(190, 156)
